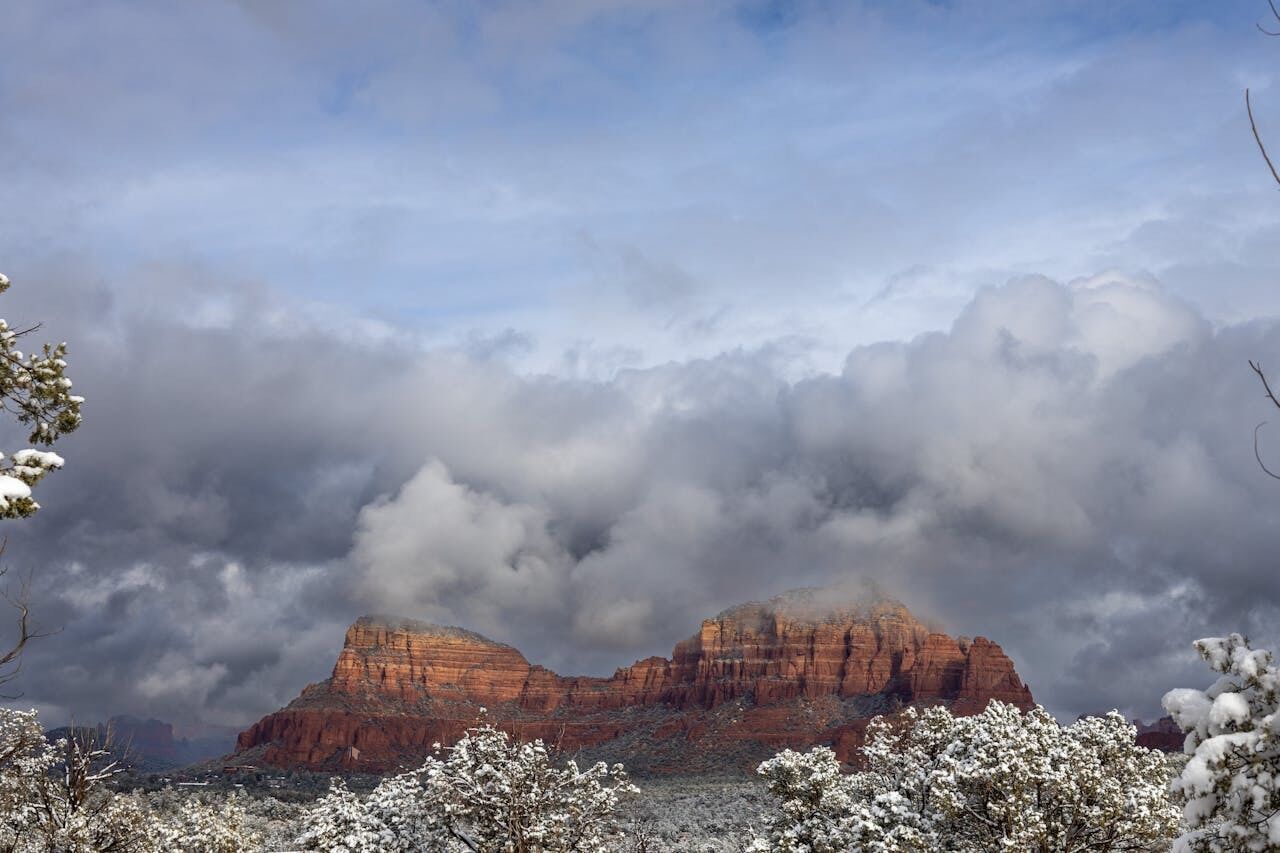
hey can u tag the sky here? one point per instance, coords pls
(574, 323)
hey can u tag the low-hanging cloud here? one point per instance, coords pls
(1065, 464)
(1068, 469)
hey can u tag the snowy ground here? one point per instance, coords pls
(699, 816)
(687, 815)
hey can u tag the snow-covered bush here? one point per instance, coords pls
(488, 794)
(52, 797)
(341, 822)
(24, 757)
(200, 827)
(823, 811)
(258, 820)
(401, 815)
(1000, 780)
(692, 815)
(1231, 781)
(502, 795)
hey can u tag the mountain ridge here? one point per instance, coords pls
(796, 670)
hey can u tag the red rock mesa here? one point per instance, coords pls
(788, 672)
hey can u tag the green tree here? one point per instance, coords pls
(36, 391)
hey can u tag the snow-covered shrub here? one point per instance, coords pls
(488, 794)
(822, 811)
(52, 797)
(341, 822)
(258, 821)
(1000, 780)
(200, 827)
(24, 758)
(399, 816)
(698, 815)
(503, 795)
(1231, 781)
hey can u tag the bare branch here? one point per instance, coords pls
(1257, 137)
(11, 658)
(1266, 386)
(1258, 456)
(1275, 13)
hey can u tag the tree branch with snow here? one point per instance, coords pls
(36, 391)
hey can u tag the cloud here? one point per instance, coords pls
(1062, 470)
(1066, 469)
(575, 324)
(440, 542)
(668, 178)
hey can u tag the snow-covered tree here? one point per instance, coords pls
(389, 820)
(52, 796)
(24, 757)
(200, 827)
(999, 780)
(489, 794)
(500, 795)
(35, 390)
(1231, 781)
(53, 799)
(820, 810)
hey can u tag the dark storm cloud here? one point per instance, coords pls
(1067, 469)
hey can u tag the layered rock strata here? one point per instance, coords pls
(787, 672)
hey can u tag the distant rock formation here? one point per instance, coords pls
(147, 743)
(1163, 735)
(152, 745)
(789, 672)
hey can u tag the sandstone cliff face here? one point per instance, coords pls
(406, 660)
(788, 672)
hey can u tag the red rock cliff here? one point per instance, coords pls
(788, 672)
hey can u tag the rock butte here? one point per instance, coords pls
(789, 672)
